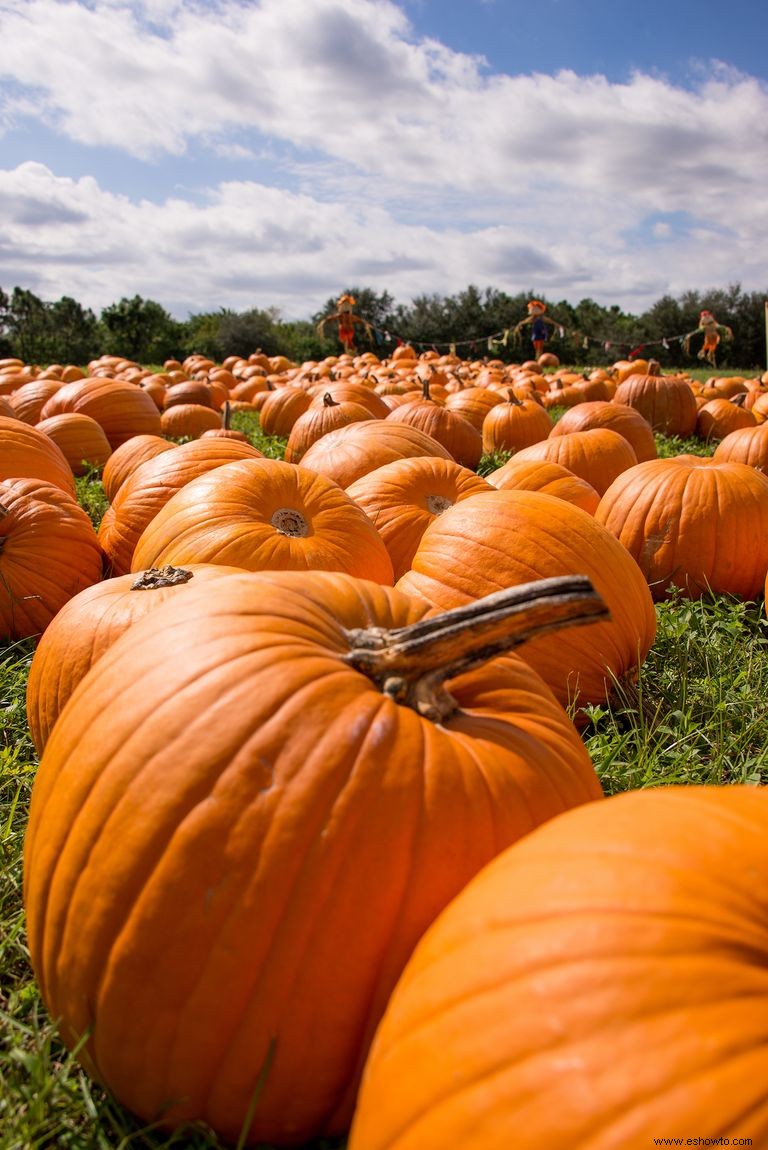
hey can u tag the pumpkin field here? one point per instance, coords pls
(384, 752)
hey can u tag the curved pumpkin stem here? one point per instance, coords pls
(411, 664)
(329, 401)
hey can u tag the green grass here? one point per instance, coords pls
(696, 715)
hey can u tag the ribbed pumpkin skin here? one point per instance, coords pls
(514, 424)
(504, 538)
(551, 478)
(746, 445)
(718, 417)
(267, 836)
(87, 626)
(617, 417)
(149, 488)
(122, 409)
(48, 553)
(450, 428)
(700, 525)
(28, 453)
(127, 457)
(602, 981)
(349, 452)
(188, 419)
(81, 439)
(667, 403)
(403, 497)
(281, 409)
(245, 515)
(597, 455)
(318, 421)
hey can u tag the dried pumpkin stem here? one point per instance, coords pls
(412, 663)
(161, 577)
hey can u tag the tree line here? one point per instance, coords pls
(475, 323)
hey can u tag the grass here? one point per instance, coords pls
(694, 716)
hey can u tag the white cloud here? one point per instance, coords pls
(411, 167)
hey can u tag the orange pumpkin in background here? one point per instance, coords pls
(503, 538)
(264, 515)
(49, 552)
(685, 522)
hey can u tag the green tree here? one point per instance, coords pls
(73, 332)
(243, 333)
(141, 330)
(28, 326)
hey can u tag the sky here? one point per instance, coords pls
(271, 154)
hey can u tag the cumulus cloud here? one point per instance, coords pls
(372, 157)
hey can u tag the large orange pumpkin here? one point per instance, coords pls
(699, 525)
(403, 497)
(28, 453)
(603, 984)
(667, 402)
(349, 452)
(226, 872)
(122, 409)
(149, 487)
(87, 626)
(264, 515)
(615, 416)
(48, 553)
(597, 454)
(503, 538)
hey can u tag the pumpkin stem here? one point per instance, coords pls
(329, 401)
(226, 415)
(412, 664)
(161, 577)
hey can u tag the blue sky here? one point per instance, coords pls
(272, 153)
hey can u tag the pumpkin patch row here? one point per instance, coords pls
(308, 847)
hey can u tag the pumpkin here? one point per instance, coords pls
(122, 409)
(188, 420)
(597, 455)
(87, 626)
(225, 874)
(150, 487)
(718, 417)
(31, 398)
(48, 553)
(28, 453)
(541, 475)
(503, 538)
(349, 452)
(430, 415)
(745, 445)
(617, 417)
(281, 408)
(127, 457)
(403, 497)
(601, 984)
(81, 439)
(264, 514)
(318, 421)
(514, 424)
(698, 525)
(667, 402)
(474, 403)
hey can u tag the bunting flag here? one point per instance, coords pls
(498, 339)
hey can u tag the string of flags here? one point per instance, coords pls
(501, 339)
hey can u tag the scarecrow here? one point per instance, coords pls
(346, 319)
(711, 329)
(538, 322)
